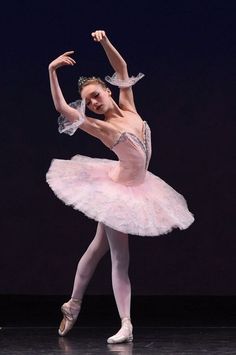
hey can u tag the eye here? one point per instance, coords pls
(97, 94)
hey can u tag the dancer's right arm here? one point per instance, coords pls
(58, 99)
(96, 128)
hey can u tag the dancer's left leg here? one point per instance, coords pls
(119, 248)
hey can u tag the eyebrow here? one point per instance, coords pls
(90, 95)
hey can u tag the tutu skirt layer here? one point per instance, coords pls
(149, 209)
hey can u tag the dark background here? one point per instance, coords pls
(187, 52)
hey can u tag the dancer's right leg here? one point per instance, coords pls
(87, 264)
(85, 269)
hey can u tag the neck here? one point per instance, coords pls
(113, 112)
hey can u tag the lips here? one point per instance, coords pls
(98, 108)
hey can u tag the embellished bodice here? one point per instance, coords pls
(134, 155)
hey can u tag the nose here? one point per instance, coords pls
(93, 102)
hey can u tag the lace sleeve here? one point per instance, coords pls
(123, 83)
(68, 127)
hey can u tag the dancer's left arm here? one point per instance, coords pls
(126, 99)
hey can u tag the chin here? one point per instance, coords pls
(99, 113)
(102, 111)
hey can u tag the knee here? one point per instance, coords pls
(96, 251)
(120, 262)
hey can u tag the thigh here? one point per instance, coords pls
(100, 240)
(118, 242)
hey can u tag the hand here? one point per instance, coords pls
(98, 36)
(62, 60)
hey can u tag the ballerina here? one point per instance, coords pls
(121, 195)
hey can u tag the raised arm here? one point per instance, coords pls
(117, 62)
(72, 118)
(58, 99)
(126, 99)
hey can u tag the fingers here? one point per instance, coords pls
(62, 60)
(98, 35)
(69, 61)
(68, 53)
(66, 59)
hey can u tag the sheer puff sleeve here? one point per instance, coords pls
(114, 80)
(69, 127)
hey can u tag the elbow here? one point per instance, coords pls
(60, 108)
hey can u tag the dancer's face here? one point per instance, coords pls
(97, 98)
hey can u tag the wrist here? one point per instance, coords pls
(51, 68)
(104, 40)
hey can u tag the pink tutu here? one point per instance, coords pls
(149, 208)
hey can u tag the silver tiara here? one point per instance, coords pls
(81, 81)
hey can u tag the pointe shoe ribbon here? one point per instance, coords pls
(124, 335)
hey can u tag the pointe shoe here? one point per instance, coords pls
(70, 311)
(124, 335)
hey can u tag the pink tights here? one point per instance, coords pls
(106, 238)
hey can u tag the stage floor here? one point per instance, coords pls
(162, 325)
(92, 340)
